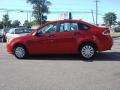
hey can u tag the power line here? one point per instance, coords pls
(16, 10)
(70, 11)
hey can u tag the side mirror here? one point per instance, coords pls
(37, 33)
(34, 34)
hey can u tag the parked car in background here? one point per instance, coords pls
(3, 34)
(17, 32)
(62, 37)
(117, 29)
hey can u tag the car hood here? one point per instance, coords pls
(19, 35)
(23, 37)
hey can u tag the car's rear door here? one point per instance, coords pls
(65, 40)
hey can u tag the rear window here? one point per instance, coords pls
(83, 26)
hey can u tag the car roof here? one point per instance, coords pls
(67, 20)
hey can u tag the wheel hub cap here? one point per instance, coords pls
(20, 52)
(87, 51)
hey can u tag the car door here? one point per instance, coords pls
(43, 41)
(65, 40)
(10, 34)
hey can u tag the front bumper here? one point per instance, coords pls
(9, 48)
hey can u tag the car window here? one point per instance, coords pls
(24, 30)
(19, 31)
(1, 31)
(64, 27)
(6, 30)
(27, 30)
(83, 26)
(11, 31)
(51, 28)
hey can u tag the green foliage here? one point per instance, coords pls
(27, 24)
(110, 18)
(1, 24)
(15, 23)
(6, 21)
(35, 22)
(40, 7)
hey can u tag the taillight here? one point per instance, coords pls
(106, 32)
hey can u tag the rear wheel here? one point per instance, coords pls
(20, 52)
(87, 51)
(4, 39)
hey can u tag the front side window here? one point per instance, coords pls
(64, 27)
(51, 28)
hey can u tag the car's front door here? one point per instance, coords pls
(43, 41)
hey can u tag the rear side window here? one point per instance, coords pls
(19, 31)
(65, 27)
(83, 26)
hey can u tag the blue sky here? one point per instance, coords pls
(63, 5)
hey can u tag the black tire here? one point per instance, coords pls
(87, 51)
(4, 40)
(20, 52)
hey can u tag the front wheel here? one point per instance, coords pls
(87, 51)
(3, 39)
(20, 52)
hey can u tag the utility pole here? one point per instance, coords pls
(27, 16)
(70, 15)
(93, 16)
(96, 11)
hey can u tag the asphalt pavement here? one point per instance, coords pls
(61, 72)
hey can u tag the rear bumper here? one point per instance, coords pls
(105, 44)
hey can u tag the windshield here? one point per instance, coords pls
(6, 30)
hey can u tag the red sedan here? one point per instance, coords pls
(62, 37)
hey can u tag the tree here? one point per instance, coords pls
(16, 23)
(27, 24)
(40, 8)
(6, 21)
(110, 18)
(1, 24)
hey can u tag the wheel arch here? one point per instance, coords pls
(88, 42)
(20, 44)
